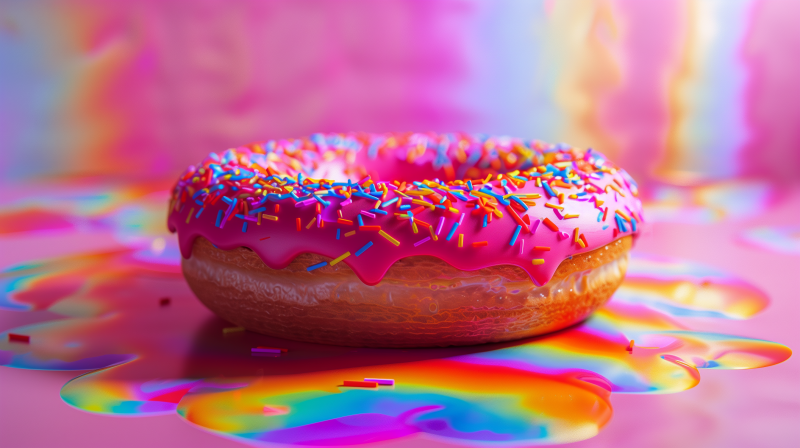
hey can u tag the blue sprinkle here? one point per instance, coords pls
(227, 200)
(600, 216)
(404, 207)
(452, 231)
(633, 223)
(519, 201)
(485, 220)
(360, 221)
(338, 232)
(516, 234)
(198, 202)
(361, 251)
(364, 195)
(244, 227)
(380, 212)
(316, 266)
(389, 202)
(258, 210)
(605, 227)
(548, 190)
(219, 217)
(198, 213)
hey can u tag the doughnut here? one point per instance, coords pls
(404, 239)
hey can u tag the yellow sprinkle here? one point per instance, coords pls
(419, 192)
(554, 206)
(350, 233)
(433, 234)
(460, 240)
(580, 243)
(190, 215)
(313, 220)
(570, 215)
(573, 196)
(414, 227)
(575, 235)
(232, 330)
(401, 193)
(388, 237)
(487, 178)
(377, 204)
(426, 204)
(539, 182)
(481, 194)
(270, 217)
(538, 261)
(339, 258)
(452, 210)
(498, 213)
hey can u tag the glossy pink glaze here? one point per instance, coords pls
(279, 242)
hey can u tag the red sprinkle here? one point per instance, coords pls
(372, 228)
(344, 221)
(283, 350)
(299, 226)
(360, 384)
(12, 337)
(480, 243)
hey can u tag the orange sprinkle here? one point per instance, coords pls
(623, 215)
(550, 225)
(344, 221)
(541, 247)
(561, 198)
(557, 207)
(351, 233)
(575, 235)
(460, 240)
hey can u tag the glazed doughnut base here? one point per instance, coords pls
(420, 302)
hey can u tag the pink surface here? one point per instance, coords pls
(727, 408)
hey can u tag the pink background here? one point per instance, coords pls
(677, 92)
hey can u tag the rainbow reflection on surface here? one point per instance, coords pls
(175, 357)
(781, 239)
(682, 288)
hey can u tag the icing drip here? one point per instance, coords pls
(368, 200)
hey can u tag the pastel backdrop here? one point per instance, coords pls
(684, 91)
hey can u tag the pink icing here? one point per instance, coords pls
(598, 189)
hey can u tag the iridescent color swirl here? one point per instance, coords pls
(368, 200)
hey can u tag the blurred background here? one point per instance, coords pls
(682, 91)
(104, 103)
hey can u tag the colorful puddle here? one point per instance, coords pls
(126, 316)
